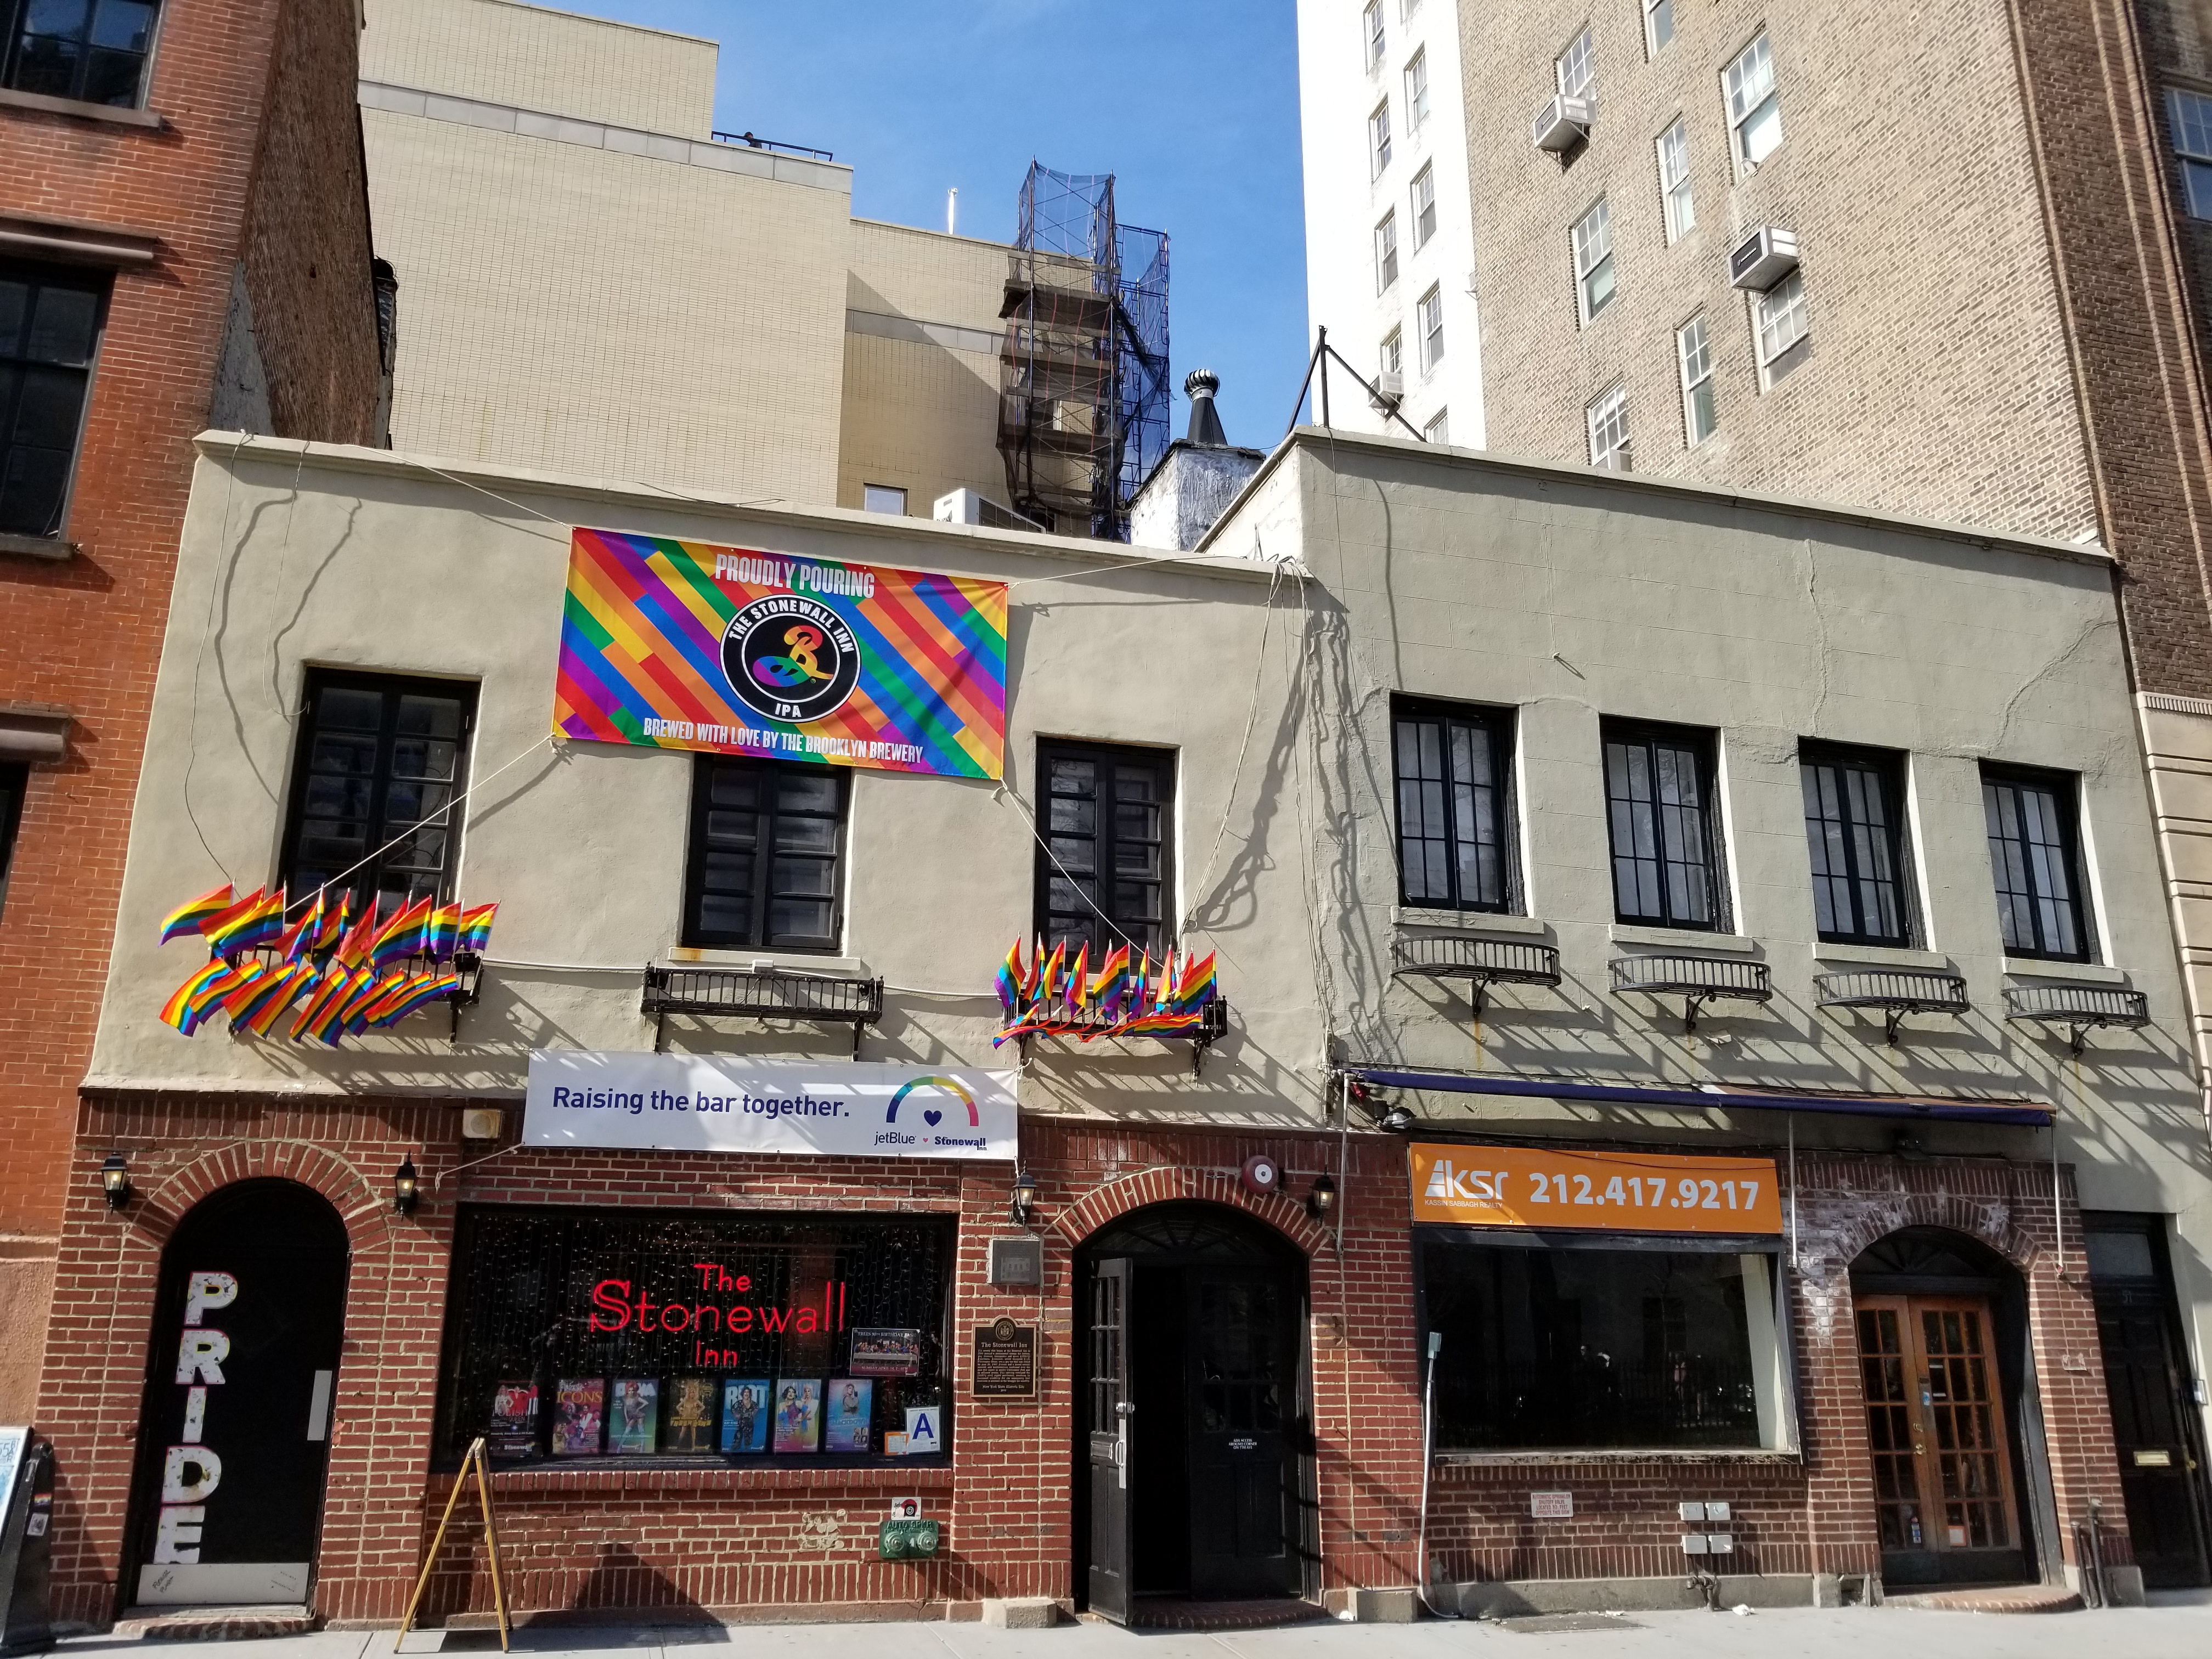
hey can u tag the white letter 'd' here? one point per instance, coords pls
(175, 1489)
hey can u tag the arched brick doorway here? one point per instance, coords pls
(1960, 1483)
(234, 1447)
(1194, 1458)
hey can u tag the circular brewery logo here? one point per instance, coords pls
(790, 658)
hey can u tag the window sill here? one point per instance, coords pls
(46, 547)
(780, 962)
(1881, 956)
(1737, 1455)
(82, 111)
(1468, 922)
(643, 1474)
(1681, 939)
(2081, 973)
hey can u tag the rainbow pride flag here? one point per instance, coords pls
(672, 644)
(193, 916)
(475, 936)
(185, 1008)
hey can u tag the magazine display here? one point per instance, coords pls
(845, 1423)
(512, 1430)
(579, 1411)
(745, 1413)
(798, 1414)
(633, 1417)
(690, 1416)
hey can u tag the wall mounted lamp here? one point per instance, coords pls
(1397, 1120)
(1024, 1197)
(115, 1181)
(1321, 1197)
(406, 1187)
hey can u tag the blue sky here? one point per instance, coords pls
(1192, 106)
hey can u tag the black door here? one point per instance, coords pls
(234, 1431)
(1110, 1408)
(1240, 1396)
(2147, 1381)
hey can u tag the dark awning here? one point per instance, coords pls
(2020, 1112)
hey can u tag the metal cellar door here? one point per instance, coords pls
(1110, 1408)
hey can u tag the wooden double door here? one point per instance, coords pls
(1946, 1493)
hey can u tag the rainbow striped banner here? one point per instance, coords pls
(683, 645)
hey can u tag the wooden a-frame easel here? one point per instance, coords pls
(475, 1458)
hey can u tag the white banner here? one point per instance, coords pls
(711, 1103)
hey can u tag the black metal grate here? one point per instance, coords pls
(1704, 977)
(1912, 992)
(742, 994)
(2080, 1008)
(1469, 956)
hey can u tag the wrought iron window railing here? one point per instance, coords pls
(2080, 1008)
(1698, 979)
(742, 994)
(1895, 992)
(1481, 962)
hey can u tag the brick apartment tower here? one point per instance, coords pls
(184, 243)
(1997, 315)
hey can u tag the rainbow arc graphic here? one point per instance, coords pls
(949, 1086)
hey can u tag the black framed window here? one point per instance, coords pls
(767, 854)
(95, 50)
(2035, 860)
(1455, 839)
(1662, 818)
(14, 784)
(50, 322)
(1107, 876)
(1854, 833)
(574, 1334)
(1549, 1345)
(380, 759)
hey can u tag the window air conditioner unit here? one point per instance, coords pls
(1389, 390)
(1561, 122)
(1763, 259)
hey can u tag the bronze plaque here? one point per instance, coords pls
(1006, 1361)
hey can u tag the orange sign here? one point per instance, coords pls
(1614, 1191)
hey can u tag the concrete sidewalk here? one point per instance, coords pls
(2176, 1626)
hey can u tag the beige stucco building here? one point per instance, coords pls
(1375, 744)
(595, 280)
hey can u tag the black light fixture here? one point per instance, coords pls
(406, 1187)
(1397, 1120)
(1321, 1197)
(1023, 1198)
(115, 1181)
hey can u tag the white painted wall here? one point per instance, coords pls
(1343, 203)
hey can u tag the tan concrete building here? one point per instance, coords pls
(596, 281)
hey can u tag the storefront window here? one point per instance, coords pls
(1578, 1348)
(584, 1334)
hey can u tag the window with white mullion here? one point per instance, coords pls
(1658, 25)
(1371, 29)
(1607, 419)
(1693, 351)
(2188, 118)
(1386, 253)
(1674, 182)
(1575, 68)
(1424, 203)
(1754, 105)
(1592, 240)
(1417, 93)
(1378, 139)
(1783, 323)
(1430, 315)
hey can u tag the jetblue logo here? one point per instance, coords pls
(1480, 1186)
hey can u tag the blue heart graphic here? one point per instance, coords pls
(933, 1119)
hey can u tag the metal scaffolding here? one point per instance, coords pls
(1083, 394)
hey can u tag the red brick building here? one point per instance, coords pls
(184, 243)
(1283, 1337)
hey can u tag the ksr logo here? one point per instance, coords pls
(934, 1117)
(1483, 1186)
